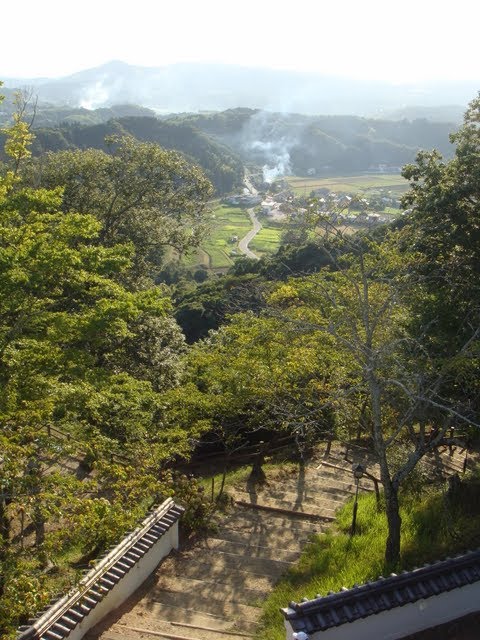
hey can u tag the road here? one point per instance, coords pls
(256, 226)
(244, 242)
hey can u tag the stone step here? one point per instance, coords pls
(323, 478)
(218, 561)
(324, 469)
(150, 612)
(257, 521)
(443, 462)
(452, 464)
(112, 634)
(328, 473)
(284, 519)
(211, 563)
(223, 608)
(219, 574)
(309, 508)
(215, 591)
(273, 538)
(178, 631)
(288, 500)
(248, 548)
(330, 482)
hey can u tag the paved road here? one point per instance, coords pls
(245, 241)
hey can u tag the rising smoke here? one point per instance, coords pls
(95, 95)
(104, 91)
(278, 154)
(267, 138)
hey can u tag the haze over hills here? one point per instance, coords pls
(194, 87)
(278, 128)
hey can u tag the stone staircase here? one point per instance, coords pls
(214, 589)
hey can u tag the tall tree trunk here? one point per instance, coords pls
(4, 522)
(39, 522)
(392, 547)
(38, 518)
(392, 511)
(4, 538)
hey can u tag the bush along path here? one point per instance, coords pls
(214, 588)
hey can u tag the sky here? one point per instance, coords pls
(397, 41)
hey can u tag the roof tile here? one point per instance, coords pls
(384, 594)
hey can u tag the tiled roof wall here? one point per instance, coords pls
(63, 616)
(383, 594)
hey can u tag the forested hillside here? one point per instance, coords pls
(50, 115)
(321, 144)
(221, 165)
(220, 142)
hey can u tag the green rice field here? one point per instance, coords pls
(218, 252)
(267, 239)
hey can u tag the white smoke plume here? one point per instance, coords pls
(266, 137)
(95, 96)
(105, 91)
(278, 158)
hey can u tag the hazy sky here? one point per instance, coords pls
(374, 39)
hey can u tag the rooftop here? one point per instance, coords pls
(384, 594)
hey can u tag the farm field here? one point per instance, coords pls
(267, 241)
(351, 184)
(216, 252)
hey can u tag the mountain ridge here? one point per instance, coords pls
(194, 86)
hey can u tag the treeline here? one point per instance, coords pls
(221, 142)
(49, 115)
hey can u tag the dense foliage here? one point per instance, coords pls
(88, 349)
(139, 192)
(359, 335)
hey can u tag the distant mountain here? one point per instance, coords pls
(443, 113)
(194, 87)
(49, 115)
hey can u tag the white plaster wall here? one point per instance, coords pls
(129, 583)
(403, 621)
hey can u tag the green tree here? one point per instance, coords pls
(17, 144)
(444, 198)
(140, 193)
(256, 378)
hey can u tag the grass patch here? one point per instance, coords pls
(267, 239)
(431, 529)
(239, 476)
